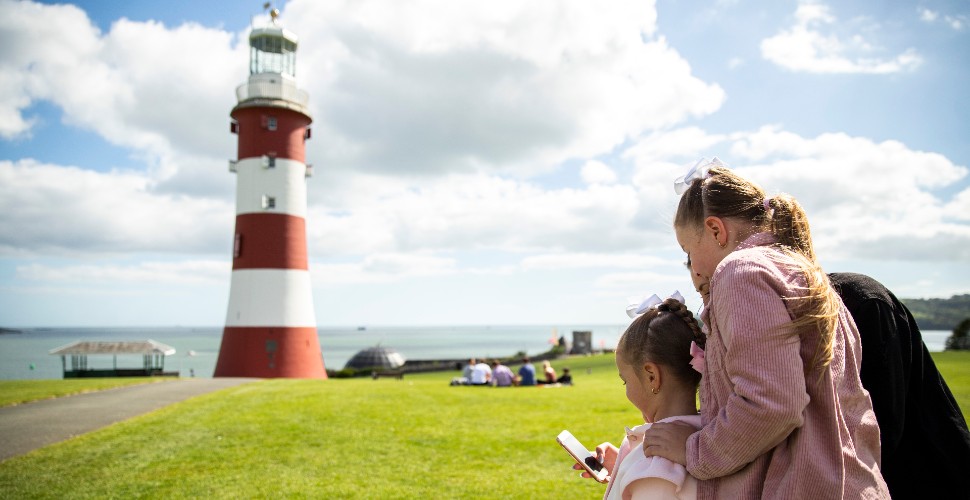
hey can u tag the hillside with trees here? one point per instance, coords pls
(939, 314)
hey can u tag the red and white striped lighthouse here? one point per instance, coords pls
(271, 328)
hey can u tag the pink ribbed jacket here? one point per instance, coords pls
(769, 430)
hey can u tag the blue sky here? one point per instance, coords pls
(475, 162)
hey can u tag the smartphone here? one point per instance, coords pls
(583, 456)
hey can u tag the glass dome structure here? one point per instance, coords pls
(376, 357)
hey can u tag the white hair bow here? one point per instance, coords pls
(638, 306)
(698, 171)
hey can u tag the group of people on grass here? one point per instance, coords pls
(480, 373)
(810, 385)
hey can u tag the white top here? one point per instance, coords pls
(481, 374)
(640, 477)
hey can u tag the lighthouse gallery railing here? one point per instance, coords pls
(272, 90)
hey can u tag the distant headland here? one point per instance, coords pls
(939, 314)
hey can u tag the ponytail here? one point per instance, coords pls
(819, 308)
(785, 219)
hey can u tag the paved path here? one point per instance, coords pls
(34, 425)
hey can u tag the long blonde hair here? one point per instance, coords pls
(725, 194)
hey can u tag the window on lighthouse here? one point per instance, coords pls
(272, 53)
(269, 202)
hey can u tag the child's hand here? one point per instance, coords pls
(668, 440)
(605, 454)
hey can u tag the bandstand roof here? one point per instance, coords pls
(85, 347)
(376, 357)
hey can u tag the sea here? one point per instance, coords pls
(25, 354)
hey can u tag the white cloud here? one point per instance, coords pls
(865, 199)
(383, 268)
(134, 85)
(658, 159)
(957, 22)
(163, 94)
(70, 211)
(147, 273)
(645, 283)
(597, 172)
(680, 144)
(927, 15)
(849, 185)
(592, 260)
(47, 40)
(428, 132)
(813, 45)
(486, 86)
(471, 212)
(474, 88)
(959, 207)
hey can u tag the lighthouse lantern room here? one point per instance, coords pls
(270, 323)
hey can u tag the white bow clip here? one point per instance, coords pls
(638, 307)
(698, 171)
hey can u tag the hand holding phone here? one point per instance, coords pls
(583, 456)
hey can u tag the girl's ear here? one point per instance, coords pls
(651, 372)
(716, 228)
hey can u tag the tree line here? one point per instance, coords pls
(939, 314)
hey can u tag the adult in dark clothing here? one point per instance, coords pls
(925, 441)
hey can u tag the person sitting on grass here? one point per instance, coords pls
(655, 364)
(481, 374)
(502, 375)
(565, 378)
(466, 374)
(549, 372)
(527, 373)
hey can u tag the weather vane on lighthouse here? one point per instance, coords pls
(273, 13)
(270, 323)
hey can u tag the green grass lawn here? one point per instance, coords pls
(354, 438)
(21, 391)
(955, 367)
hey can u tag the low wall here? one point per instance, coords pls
(139, 372)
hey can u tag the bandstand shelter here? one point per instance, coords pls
(376, 358)
(153, 358)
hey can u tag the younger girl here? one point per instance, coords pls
(654, 361)
(784, 411)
